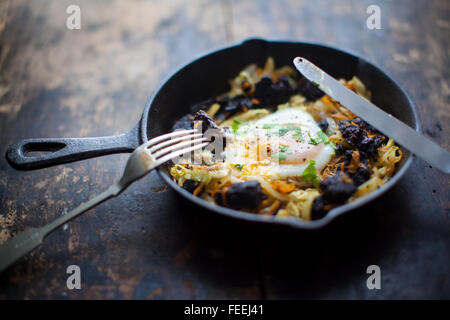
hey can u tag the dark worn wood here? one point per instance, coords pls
(149, 243)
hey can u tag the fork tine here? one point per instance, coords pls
(176, 147)
(179, 153)
(167, 136)
(172, 141)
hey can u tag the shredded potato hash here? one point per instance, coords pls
(363, 159)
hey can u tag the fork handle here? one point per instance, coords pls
(16, 247)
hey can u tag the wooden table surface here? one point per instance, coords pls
(149, 243)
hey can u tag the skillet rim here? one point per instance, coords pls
(292, 222)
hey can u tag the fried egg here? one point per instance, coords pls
(281, 144)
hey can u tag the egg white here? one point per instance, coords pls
(249, 144)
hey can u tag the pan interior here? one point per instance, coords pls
(209, 75)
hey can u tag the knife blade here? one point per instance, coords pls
(381, 120)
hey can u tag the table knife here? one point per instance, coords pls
(383, 121)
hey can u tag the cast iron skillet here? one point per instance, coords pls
(208, 76)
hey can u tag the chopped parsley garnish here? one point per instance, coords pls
(238, 166)
(280, 156)
(294, 128)
(324, 138)
(274, 131)
(312, 140)
(298, 133)
(283, 131)
(309, 175)
(315, 83)
(331, 144)
(271, 127)
(285, 149)
(235, 125)
(298, 136)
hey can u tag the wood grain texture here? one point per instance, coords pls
(150, 244)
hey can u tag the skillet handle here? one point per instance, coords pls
(54, 151)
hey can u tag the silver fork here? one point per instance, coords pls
(143, 159)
